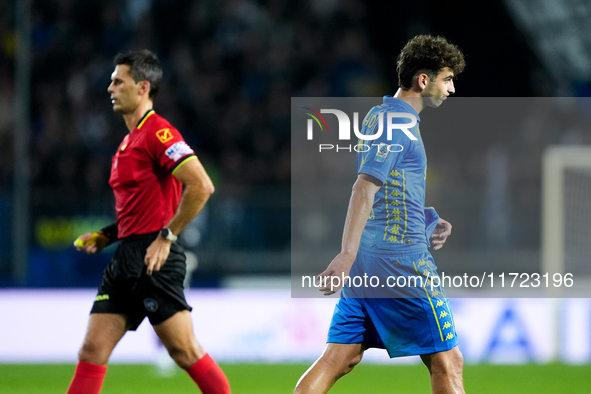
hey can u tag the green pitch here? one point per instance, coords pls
(273, 379)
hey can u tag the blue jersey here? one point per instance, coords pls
(404, 320)
(397, 220)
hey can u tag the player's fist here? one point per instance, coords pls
(332, 278)
(442, 231)
(91, 243)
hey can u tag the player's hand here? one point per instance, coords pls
(157, 254)
(91, 243)
(439, 236)
(332, 277)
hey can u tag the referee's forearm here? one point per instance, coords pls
(192, 202)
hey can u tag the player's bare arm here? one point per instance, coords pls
(198, 188)
(439, 236)
(360, 205)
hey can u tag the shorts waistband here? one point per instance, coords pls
(387, 252)
(138, 237)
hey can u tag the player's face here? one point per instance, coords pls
(124, 90)
(439, 89)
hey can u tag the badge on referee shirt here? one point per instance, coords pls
(164, 135)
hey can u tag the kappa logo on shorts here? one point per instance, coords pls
(151, 305)
(164, 135)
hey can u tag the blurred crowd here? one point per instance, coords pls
(230, 69)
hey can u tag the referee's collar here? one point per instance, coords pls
(391, 100)
(144, 118)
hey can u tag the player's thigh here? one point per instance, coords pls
(449, 360)
(103, 333)
(342, 356)
(176, 334)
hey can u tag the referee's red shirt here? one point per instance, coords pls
(146, 192)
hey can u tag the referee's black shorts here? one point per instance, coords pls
(126, 288)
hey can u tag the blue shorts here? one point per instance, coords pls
(412, 320)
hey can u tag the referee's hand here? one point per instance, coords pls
(157, 254)
(91, 243)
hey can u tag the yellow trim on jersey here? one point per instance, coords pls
(150, 113)
(404, 203)
(182, 163)
(430, 302)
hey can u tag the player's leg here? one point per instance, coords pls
(176, 333)
(337, 360)
(445, 369)
(103, 333)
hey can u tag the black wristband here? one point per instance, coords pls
(110, 232)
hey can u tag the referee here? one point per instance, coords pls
(145, 276)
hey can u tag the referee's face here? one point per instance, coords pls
(125, 92)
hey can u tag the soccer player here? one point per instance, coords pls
(387, 233)
(145, 276)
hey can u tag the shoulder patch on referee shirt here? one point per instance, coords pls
(382, 152)
(164, 135)
(178, 150)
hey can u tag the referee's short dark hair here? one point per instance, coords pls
(143, 66)
(427, 54)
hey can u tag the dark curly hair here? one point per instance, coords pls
(429, 55)
(143, 66)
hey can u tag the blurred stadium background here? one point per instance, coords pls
(230, 69)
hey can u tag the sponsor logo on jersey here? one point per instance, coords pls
(102, 297)
(178, 150)
(164, 135)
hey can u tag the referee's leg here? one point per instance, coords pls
(103, 333)
(176, 333)
(337, 360)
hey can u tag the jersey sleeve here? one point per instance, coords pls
(169, 149)
(431, 219)
(380, 156)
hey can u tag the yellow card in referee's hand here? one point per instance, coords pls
(96, 237)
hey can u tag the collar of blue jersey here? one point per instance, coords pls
(390, 100)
